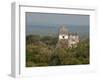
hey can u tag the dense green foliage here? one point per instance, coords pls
(42, 51)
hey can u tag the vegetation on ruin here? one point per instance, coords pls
(42, 51)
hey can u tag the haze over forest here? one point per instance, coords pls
(47, 24)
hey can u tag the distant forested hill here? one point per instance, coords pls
(83, 31)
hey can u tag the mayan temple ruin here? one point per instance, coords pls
(67, 39)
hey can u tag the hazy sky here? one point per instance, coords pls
(56, 19)
(35, 21)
